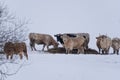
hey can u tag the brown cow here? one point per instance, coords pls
(116, 45)
(20, 48)
(15, 48)
(44, 39)
(9, 49)
(103, 43)
(73, 43)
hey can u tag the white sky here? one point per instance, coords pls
(61, 16)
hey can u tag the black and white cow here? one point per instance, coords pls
(85, 35)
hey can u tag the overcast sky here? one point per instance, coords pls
(61, 16)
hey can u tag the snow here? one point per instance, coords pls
(69, 16)
(46, 66)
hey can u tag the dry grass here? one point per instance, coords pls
(62, 51)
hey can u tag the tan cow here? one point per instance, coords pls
(116, 45)
(44, 39)
(103, 43)
(98, 42)
(15, 48)
(87, 39)
(85, 35)
(73, 43)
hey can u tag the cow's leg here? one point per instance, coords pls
(69, 50)
(82, 50)
(7, 56)
(26, 55)
(106, 51)
(43, 47)
(113, 51)
(47, 47)
(87, 47)
(118, 52)
(99, 50)
(20, 54)
(31, 48)
(34, 46)
(66, 50)
(11, 56)
(78, 51)
(102, 51)
(31, 45)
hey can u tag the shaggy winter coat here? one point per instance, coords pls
(116, 45)
(15, 48)
(103, 43)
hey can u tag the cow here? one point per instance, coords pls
(116, 45)
(19, 48)
(71, 43)
(9, 49)
(44, 39)
(98, 42)
(85, 35)
(59, 39)
(103, 43)
(87, 39)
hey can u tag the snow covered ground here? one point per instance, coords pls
(72, 16)
(46, 66)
